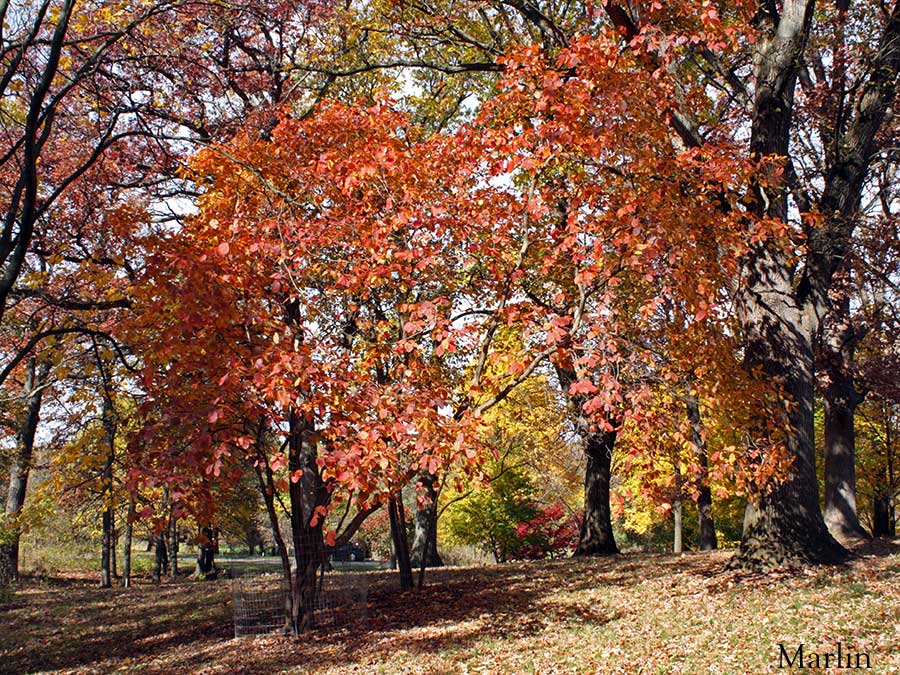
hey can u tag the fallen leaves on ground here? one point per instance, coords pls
(629, 614)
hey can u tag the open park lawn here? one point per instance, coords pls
(630, 614)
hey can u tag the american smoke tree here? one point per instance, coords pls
(801, 89)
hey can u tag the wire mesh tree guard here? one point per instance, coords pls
(260, 601)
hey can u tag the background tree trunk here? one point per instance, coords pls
(126, 545)
(172, 533)
(677, 543)
(161, 559)
(841, 399)
(424, 546)
(882, 518)
(107, 552)
(596, 535)
(206, 565)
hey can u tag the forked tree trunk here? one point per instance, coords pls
(424, 546)
(308, 498)
(782, 311)
(707, 526)
(401, 545)
(35, 380)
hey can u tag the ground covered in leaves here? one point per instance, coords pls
(628, 614)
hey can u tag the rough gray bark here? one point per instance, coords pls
(424, 546)
(32, 393)
(707, 526)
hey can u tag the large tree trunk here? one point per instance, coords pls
(596, 535)
(784, 524)
(707, 525)
(424, 546)
(35, 380)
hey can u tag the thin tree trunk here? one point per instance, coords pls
(424, 547)
(32, 393)
(677, 508)
(677, 512)
(401, 545)
(881, 518)
(707, 526)
(173, 543)
(266, 483)
(126, 546)
(106, 550)
(107, 495)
